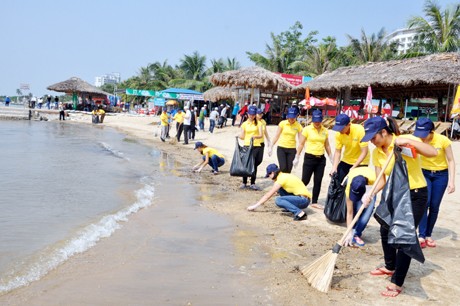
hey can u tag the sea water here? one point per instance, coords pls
(63, 187)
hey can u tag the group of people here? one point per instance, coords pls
(430, 172)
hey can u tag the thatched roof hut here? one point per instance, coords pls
(220, 93)
(76, 85)
(427, 76)
(251, 77)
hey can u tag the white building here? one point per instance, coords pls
(404, 37)
(112, 78)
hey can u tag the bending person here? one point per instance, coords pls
(294, 195)
(211, 157)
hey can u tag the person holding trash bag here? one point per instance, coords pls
(348, 139)
(439, 173)
(358, 179)
(252, 129)
(315, 139)
(211, 157)
(294, 195)
(286, 133)
(385, 136)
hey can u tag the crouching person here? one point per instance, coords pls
(211, 157)
(294, 196)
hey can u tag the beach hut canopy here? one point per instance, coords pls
(220, 93)
(76, 85)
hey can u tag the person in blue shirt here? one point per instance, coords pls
(7, 101)
(235, 111)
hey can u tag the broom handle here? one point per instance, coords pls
(358, 214)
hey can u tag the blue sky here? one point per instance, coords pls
(48, 41)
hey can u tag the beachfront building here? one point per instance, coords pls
(111, 78)
(404, 38)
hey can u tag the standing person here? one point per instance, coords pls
(264, 129)
(294, 196)
(164, 122)
(439, 172)
(348, 140)
(243, 113)
(191, 133)
(223, 117)
(267, 115)
(314, 138)
(211, 157)
(62, 112)
(56, 102)
(288, 132)
(187, 120)
(33, 101)
(236, 109)
(385, 137)
(201, 118)
(179, 118)
(252, 129)
(40, 102)
(48, 102)
(212, 119)
(7, 101)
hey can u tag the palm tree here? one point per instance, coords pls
(439, 32)
(372, 48)
(217, 65)
(232, 64)
(194, 66)
(163, 74)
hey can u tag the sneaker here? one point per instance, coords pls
(215, 172)
(254, 187)
(358, 241)
(243, 186)
(300, 216)
(162, 139)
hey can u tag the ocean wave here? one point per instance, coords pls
(112, 151)
(85, 239)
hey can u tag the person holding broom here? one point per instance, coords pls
(385, 136)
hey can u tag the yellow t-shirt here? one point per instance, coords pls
(250, 130)
(292, 184)
(414, 169)
(179, 117)
(210, 152)
(367, 172)
(288, 134)
(164, 119)
(439, 162)
(352, 144)
(315, 141)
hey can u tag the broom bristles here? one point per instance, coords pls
(319, 273)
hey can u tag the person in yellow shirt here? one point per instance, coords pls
(348, 139)
(288, 132)
(294, 195)
(358, 179)
(179, 117)
(315, 139)
(252, 129)
(164, 124)
(439, 173)
(211, 157)
(385, 137)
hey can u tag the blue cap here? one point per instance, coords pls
(259, 111)
(372, 126)
(252, 110)
(341, 121)
(357, 188)
(317, 116)
(423, 127)
(292, 112)
(198, 144)
(271, 168)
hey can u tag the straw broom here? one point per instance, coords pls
(319, 273)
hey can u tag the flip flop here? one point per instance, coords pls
(423, 244)
(380, 271)
(391, 292)
(430, 243)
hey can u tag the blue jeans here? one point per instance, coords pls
(292, 203)
(436, 183)
(364, 218)
(212, 124)
(215, 162)
(201, 124)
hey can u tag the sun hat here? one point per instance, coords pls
(292, 112)
(317, 116)
(198, 144)
(252, 110)
(423, 127)
(357, 188)
(372, 126)
(341, 121)
(271, 168)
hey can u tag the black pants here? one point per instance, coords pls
(396, 260)
(285, 158)
(179, 128)
(186, 133)
(342, 170)
(258, 153)
(61, 115)
(191, 132)
(313, 164)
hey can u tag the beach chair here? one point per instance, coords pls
(406, 127)
(443, 128)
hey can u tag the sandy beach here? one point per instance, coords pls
(285, 244)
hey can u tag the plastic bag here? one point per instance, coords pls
(395, 211)
(243, 160)
(336, 203)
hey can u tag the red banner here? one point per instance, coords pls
(293, 79)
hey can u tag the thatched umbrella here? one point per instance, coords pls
(76, 85)
(220, 93)
(251, 77)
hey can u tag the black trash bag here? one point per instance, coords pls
(395, 211)
(243, 160)
(335, 209)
